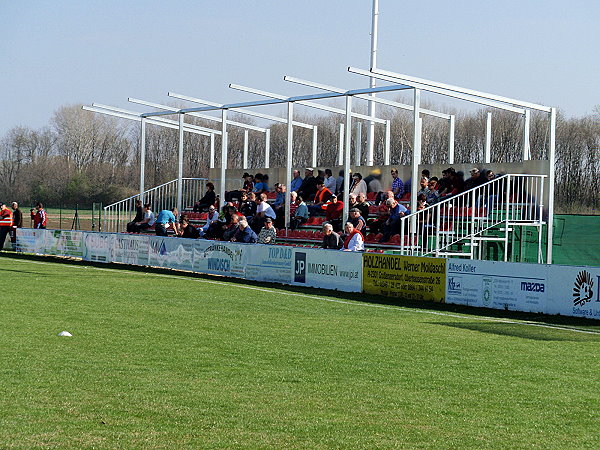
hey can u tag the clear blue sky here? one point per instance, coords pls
(80, 51)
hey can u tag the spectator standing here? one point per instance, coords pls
(296, 181)
(139, 216)
(339, 183)
(397, 185)
(358, 184)
(331, 239)
(353, 240)
(165, 220)
(17, 222)
(309, 185)
(6, 223)
(330, 181)
(268, 234)
(39, 216)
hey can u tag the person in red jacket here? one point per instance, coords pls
(39, 217)
(6, 221)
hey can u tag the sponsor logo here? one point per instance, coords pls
(219, 264)
(300, 267)
(583, 289)
(532, 287)
(487, 291)
(454, 285)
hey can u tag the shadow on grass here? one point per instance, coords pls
(24, 271)
(519, 331)
(583, 323)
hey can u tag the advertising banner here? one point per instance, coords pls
(221, 258)
(31, 241)
(171, 252)
(498, 285)
(98, 247)
(575, 291)
(408, 277)
(131, 249)
(328, 269)
(272, 263)
(64, 243)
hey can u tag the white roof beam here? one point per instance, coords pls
(304, 102)
(239, 110)
(383, 101)
(451, 87)
(423, 87)
(195, 114)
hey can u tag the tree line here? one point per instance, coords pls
(82, 157)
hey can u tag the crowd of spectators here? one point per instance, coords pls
(248, 215)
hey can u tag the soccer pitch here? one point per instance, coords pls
(159, 360)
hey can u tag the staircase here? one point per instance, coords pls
(164, 196)
(474, 224)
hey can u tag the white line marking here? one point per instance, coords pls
(331, 300)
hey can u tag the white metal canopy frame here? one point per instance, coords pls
(400, 82)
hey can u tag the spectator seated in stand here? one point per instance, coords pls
(383, 214)
(166, 219)
(260, 186)
(357, 221)
(434, 195)
(268, 234)
(363, 205)
(322, 196)
(374, 182)
(300, 215)
(187, 230)
(331, 239)
(263, 210)
(424, 184)
(209, 199)
(229, 229)
(212, 217)
(139, 216)
(147, 222)
(248, 205)
(475, 180)
(392, 225)
(244, 233)
(354, 241)
(333, 213)
(279, 204)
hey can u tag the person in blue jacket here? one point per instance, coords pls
(165, 220)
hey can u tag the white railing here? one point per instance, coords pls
(164, 196)
(455, 226)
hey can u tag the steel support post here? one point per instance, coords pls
(372, 83)
(551, 175)
(348, 139)
(180, 165)
(288, 165)
(488, 139)
(388, 140)
(245, 149)
(526, 126)
(212, 150)
(416, 157)
(314, 147)
(452, 122)
(358, 143)
(142, 157)
(223, 154)
(341, 146)
(267, 148)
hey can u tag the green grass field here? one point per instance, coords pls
(159, 360)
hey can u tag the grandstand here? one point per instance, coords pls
(487, 222)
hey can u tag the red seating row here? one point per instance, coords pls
(196, 215)
(300, 234)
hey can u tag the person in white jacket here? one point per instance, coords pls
(353, 240)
